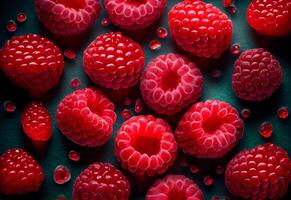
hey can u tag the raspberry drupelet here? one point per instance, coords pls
(101, 181)
(32, 62)
(200, 28)
(170, 83)
(263, 172)
(209, 129)
(114, 61)
(145, 145)
(67, 17)
(86, 117)
(257, 75)
(134, 14)
(174, 187)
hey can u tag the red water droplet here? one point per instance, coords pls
(155, 45)
(208, 180)
(127, 101)
(74, 155)
(194, 169)
(235, 49)
(232, 9)
(138, 107)
(283, 112)
(62, 174)
(9, 106)
(216, 73)
(219, 170)
(226, 3)
(11, 26)
(162, 32)
(61, 197)
(105, 22)
(21, 17)
(75, 83)
(70, 53)
(266, 129)
(215, 197)
(125, 114)
(246, 113)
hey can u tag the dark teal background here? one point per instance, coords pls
(56, 151)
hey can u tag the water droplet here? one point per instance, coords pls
(155, 45)
(232, 9)
(219, 170)
(105, 22)
(216, 73)
(74, 155)
(70, 53)
(61, 197)
(138, 107)
(127, 101)
(75, 83)
(11, 26)
(266, 129)
(246, 113)
(283, 112)
(208, 180)
(215, 197)
(235, 49)
(62, 174)
(226, 3)
(21, 17)
(9, 106)
(125, 114)
(162, 32)
(194, 169)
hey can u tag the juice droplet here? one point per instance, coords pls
(11, 26)
(215, 197)
(235, 49)
(21, 17)
(74, 155)
(194, 169)
(216, 73)
(208, 180)
(232, 9)
(105, 22)
(162, 32)
(61, 197)
(138, 107)
(155, 45)
(226, 3)
(9, 106)
(266, 129)
(184, 162)
(75, 83)
(127, 101)
(219, 170)
(70, 53)
(246, 113)
(283, 112)
(62, 174)
(125, 114)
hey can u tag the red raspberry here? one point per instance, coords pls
(269, 17)
(36, 122)
(134, 14)
(101, 181)
(86, 117)
(145, 145)
(174, 187)
(19, 173)
(114, 61)
(170, 83)
(32, 62)
(200, 28)
(67, 17)
(263, 172)
(209, 129)
(257, 75)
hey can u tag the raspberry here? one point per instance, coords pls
(32, 62)
(145, 145)
(134, 14)
(263, 172)
(86, 117)
(67, 17)
(209, 129)
(174, 187)
(36, 122)
(269, 17)
(114, 61)
(200, 28)
(170, 83)
(19, 173)
(257, 75)
(101, 181)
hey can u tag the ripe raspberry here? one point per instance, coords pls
(101, 181)
(145, 145)
(170, 83)
(174, 187)
(269, 17)
(114, 61)
(86, 117)
(19, 173)
(32, 62)
(209, 129)
(67, 17)
(200, 28)
(260, 173)
(36, 122)
(257, 75)
(134, 14)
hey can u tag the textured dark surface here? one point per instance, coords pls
(56, 151)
